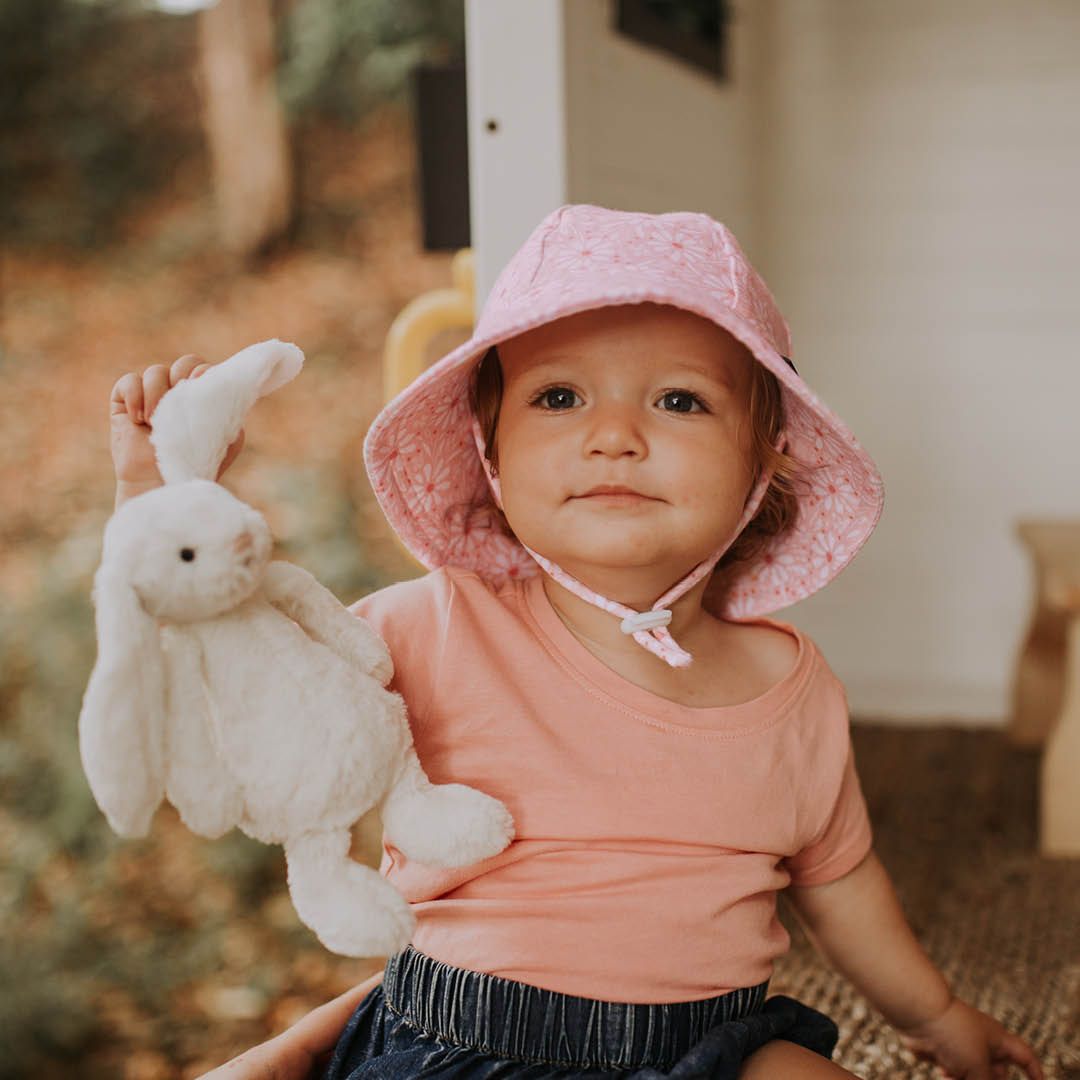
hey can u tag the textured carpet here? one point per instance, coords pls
(954, 814)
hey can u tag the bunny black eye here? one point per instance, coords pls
(187, 554)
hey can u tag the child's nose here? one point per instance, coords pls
(616, 429)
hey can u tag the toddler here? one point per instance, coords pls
(611, 483)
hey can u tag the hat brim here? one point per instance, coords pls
(425, 471)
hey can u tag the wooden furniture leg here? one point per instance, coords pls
(1039, 683)
(1060, 811)
(1046, 689)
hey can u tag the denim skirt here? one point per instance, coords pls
(430, 1019)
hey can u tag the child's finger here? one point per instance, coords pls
(1014, 1049)
(127, 396)
(183, 366)
(155, 384)
(196, 372)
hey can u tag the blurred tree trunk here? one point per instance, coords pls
(244, 124)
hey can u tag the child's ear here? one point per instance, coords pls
(121, 725)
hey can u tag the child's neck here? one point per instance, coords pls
(598, 630)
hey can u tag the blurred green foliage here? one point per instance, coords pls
(99, 100)
(340, 57)
(94, 111)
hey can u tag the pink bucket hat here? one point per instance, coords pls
(424, 452)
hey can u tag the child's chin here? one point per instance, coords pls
(617, 552)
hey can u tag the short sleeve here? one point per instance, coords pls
(843, 842)
(411, 617)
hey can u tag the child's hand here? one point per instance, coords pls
(969, 1045)
(132, 403)
(299, 1051)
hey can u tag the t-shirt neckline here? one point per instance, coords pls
(739, 717)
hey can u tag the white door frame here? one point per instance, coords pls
(515, 71)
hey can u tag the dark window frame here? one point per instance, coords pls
(667, 25)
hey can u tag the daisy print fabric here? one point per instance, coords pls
(425, 467)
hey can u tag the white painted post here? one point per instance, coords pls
(515, 67)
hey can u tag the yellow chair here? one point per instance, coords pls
(421, 319)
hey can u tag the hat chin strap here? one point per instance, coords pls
(648, 628)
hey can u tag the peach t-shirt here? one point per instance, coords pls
(652, 837)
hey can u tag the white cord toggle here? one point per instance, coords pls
(645, 620)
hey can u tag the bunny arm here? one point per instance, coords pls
(198, 784)
(326, 620)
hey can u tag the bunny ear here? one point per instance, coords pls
(121, 725)
(195, 422)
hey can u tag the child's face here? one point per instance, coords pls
(647, 396)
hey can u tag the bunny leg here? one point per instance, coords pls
(443, 824)
(198, 784)
(322, 616)
(353, 910)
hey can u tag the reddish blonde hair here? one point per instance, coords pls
(779, 506)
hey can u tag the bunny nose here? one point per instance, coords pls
(243, 543)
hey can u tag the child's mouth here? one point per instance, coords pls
(617, 498)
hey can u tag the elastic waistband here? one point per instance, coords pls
(528, 1023)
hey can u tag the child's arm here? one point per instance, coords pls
(858, 925)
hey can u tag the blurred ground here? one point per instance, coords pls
(164, 956)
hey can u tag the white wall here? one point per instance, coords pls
(905, 176)
(923, 236)
(646, 132)
(517, 125)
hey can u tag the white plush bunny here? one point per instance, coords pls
(241, 690)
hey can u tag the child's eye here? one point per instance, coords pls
(683, 401)
(556, 398)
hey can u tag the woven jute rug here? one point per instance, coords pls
(954, 813)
